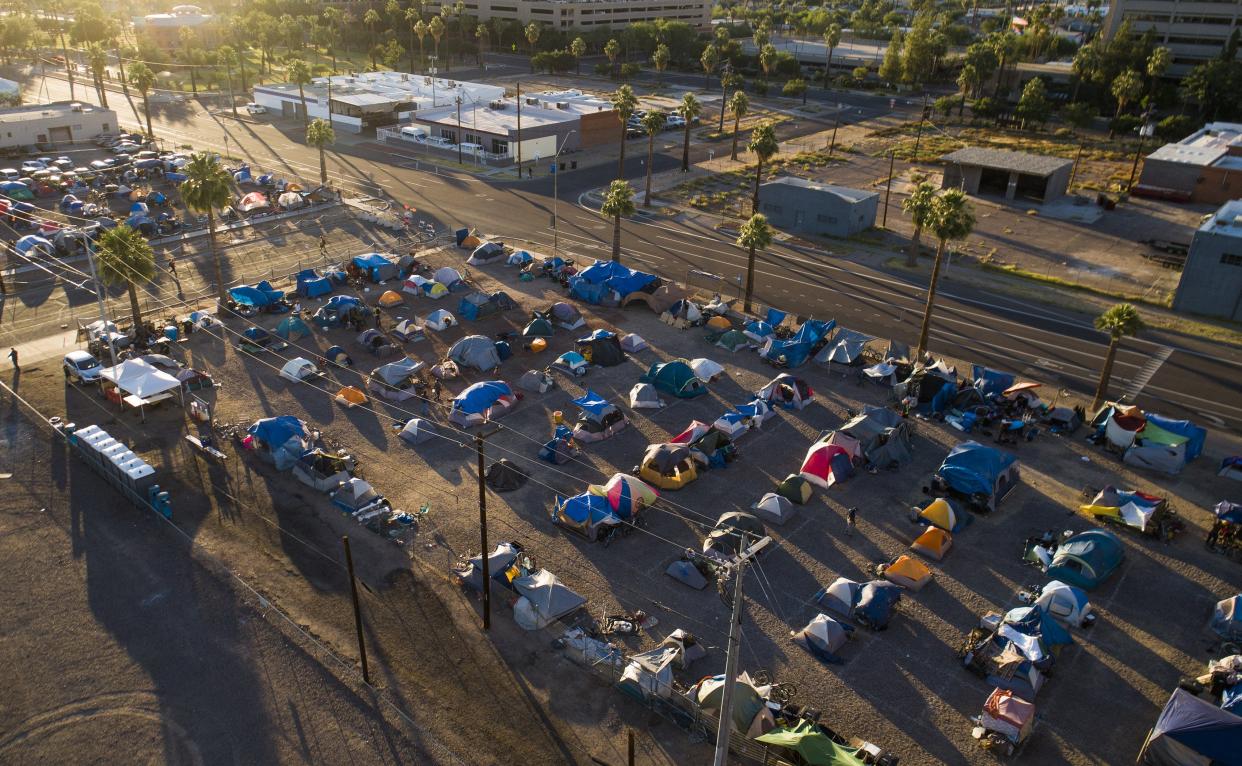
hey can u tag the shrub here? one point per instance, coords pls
(1175, 127)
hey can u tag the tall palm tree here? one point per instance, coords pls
(919, 205)
(624, 102)
(412, 18)
(754, 235)
(966, 80)
(1126, 87)
(126, 258)
(767, 60)
(579, 48)
(690, 109)
(97, 58)
(226, 56)
(484, 35)
(618, 204)
(764, 145)
(532, 35)
(952, 217)
(207, 188)
(300, 75)
(612, 49)
(661, 59)
(1120, 321)
(332, 19)
(142, 78)
(372, 20)
(421, 31)
(739, 105)
(709, 60)
(832, 38)
(653, 123)
(436, 30)
(320, 135)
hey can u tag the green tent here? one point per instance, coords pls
(812, 744)
(539, 327)
(675, 378)
(732, 340)
(1154, 434)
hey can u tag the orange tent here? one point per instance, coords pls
(908, 573)
(351, 396)
(390, 298)
(933, 543)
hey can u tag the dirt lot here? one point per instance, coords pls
(900, 688)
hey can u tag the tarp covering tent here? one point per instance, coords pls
(789, 391)
(416, 431)
(519, 258)
(990, 382)
(312, 285)
(811, 745)
(447, 276)
(1064, 603)
(338, 311)
(396, 381)
(282, 438)
(377, 267)
(668, 466)
(601, 347)
(1193, 732)
(475, 351)
(505, 476)
(627, 495)
(440, 320)
(974, 470)
(1231, 467)
(299, 369)
(566, 315)
(1226, 620)
(774, 508)
(488, 252)
(934, 543)
(908, 572)
(544, 600)
(822, 637)
(33, 242)
(645, 396)
(1132, 508)
(795, 488)
(481, 402)
(587, 514)
(598, 419)
(750, 713)
(633, 343)
(560, 448)
(1087, 559)
(706, 370)
(758, 331)
(258, 296)
(676, 379)
(827, 462)
(292, 328)
(538, 327)
(1008, 714)
(942, 514)
(351, 396)
(846, 347)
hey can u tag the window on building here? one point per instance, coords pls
(541, 11)
(1231, 259)
(504, 8)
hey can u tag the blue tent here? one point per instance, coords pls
(813, 330)
(335, 312)
(312, 285)
(593, 403)
(789, 353)
(1034, 622)
(875, 603)
(1196, 435)
(601, 271)
(1191, 730)
(1087, 559)
(586, 292)
(377, 267)
(283, 436)
(616, 277)
(774, 317)
(176, 177)
(292, 328)
(260, 295)
(583, 513)
(990, 382)
(478, 398)
(242, 175)
(30, 242)
(973, 468)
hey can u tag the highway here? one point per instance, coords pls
(1176, 375)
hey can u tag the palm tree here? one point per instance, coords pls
(767, 60)
(952, 217)
(612, 49)
(919, 205)
(142, 78)
(484, 35)
(125, 258)
(764, 145)
(421, 31)
(371, 19)
(97, 57)
(1157, 64)
(207, 188)
(660, 59)
(1120, 321)
(709, 60)
(966, 80)
(690, 110)
(532, 37)
(320, 134)
(225, 55)
(618, 204)
(739, 105)
(754, 235)
(300, 75)
(832, 38)
(653, 123)
(579, 48)
(332, 19)
(624, 102)
(436, 30)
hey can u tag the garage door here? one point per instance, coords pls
(60, 135)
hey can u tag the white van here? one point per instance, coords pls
(473, 150)
(411, 133)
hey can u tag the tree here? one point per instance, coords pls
(1215, 85)
(142, 78)
(532, 36)
(918, 52)
(97, 58)
(739, 105)
(420, 31)
(890, 67)
(624, 102)
(832, 38)
(226, 55)
(968, 79)
(579, 48)
(952, 217)
(1004, 45)
(1033, 106)
(126, 258)
(1121, 321)
(1079, 114)
(1085, 66)
(371, 19)
(754, 235)
(1157, 64)
(653, 123)
(320, 134)
(618, 204)
(767, 60)
(690, 110)
(919, 205)
(709, 60)
(945, 105)
(483, 35)
(661, 59)
(764, 145)
(612, 49)
(794, 88)
(207, 188)
(391, 53)
(859, 73)
(332, 19)
(436, 30)
(1126, 88)
(299, 73)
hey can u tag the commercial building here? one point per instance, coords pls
(1212, 278)
(586, 14)
(371, 99)
(799, 205)
(62, 122)
(164, 29)
(1205, 166)
(1194, 30)
(1011, 175)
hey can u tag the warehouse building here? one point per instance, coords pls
(1012, 175)
(1205, 166)
(1211, 282)
(62, 122)
(798, 205)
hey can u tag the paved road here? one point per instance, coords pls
(1176, 375)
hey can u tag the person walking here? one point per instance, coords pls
(378, 318)
(3, 289)
(851, 521)
(172, 267)
(323, 247)
(13, 359)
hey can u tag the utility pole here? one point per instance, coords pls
(888, 187)
(99, 297)
(918, 138)
(459, 135)
(1144, 132)
(725, 725)
(630, 748)
(353, 592)
(1074, 171)
(519, 130)
(555, 196)
(487, 574)
(832, 146)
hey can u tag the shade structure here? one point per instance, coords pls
(351, 396)
(139, 378)
(934, 543)
(795, 488)
(626, 495)
(908, 572)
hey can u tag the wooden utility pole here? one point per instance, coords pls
(519, 136)
(1074, 172)
(353, 592)
(725, 725)
(630, 748)
(888, 187)
(832, 146)
(487, 574)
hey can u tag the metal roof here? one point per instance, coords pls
(844, 192)
(364, 99)
(997, 159)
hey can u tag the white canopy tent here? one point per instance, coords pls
(141, 382)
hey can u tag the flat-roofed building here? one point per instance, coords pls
(807, 207)
(1205, 166)
(1194, 30)
(164, 29)
(62, 122)
(1012, 175)
(586, 14)
(1211, 281)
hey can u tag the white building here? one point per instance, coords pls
(164, 29)
(62, 122)
(372, 99)
(567, 120)
(1195, 30)
(585, 14)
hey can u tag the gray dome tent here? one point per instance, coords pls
(475, 351)
(505, 476)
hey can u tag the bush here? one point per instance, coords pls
(1175, 127)
(860, 74)
(946, 104)
(1080, 114)
(985, 107)
(759, 87)
(603, 69)
(1063, 132)
(1125, 124)
(553, 62)
(629, 71)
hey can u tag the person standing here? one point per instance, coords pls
(378, 318)
(13, 359)
(323, 247)
(851, 521)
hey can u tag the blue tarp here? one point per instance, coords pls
(990, 382)
(593, 403)
(1227, 511)
(1200, 727)
(476, 399)
(377, 266)
(276, 431)
(944, 397)
(343, 302)
(1196, 435)
(616, 277)
(259, 295)
(973, 468)
(795, 353)
(586, 509)
(812, 330)
(774, 317)
(759, 329)
(587, 292)
(876, 600)
(1035, 622)
(30, 242)
(312, 285)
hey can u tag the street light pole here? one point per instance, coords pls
(555, 195)
(99, 297)
(459, 162)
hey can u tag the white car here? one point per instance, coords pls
(253, 108)
(82, 367)
(30, 166)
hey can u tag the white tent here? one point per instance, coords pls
(544, 600)
(774, 508)
(440, 320)
(447, 276)
(140, 379)
(298, 370)
(633, 342)
(705, 369)
(416, 431)
(645, 396)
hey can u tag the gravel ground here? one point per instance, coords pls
(900, 688)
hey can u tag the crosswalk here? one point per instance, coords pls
(1145, 373)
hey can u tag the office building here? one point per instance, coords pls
(586, 14)
(1194, 30)
(1212, 278)
(1205, 166)
(62, 122)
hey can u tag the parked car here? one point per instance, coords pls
(81, 367)
(30, 166)
(63, 163)
(9, 174)
(146, 154)
(103, 139)
(100, 165)
(126, 148)
(253, 108)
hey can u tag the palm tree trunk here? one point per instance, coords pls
(412, 37)
(103, 92)
(215, 256)
(685, 150)
(146, 108)
(305, 114)
(931, 300)
(323, 167)
(621, 159)
(616, 238)
(1106, 373)
(737, 119)
(754, 202)
(133, 307)
(193, 81)
(912, 255)
(828, 68)
(650, 159)
(750, 279)
(961, 107)
(120, 62)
